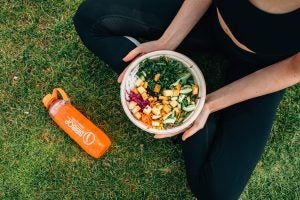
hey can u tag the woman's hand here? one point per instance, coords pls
(197, 125)
(188, 15)
(142, 49)
(146, 48)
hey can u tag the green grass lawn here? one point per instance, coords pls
(39, 50)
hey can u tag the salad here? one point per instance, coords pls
(164, 93)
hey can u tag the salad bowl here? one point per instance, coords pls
(188, 101)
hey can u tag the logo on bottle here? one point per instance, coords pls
(88, 138)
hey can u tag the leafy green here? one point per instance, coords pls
(169, 70)
(151, 84)
(190, 81)
(185, 102)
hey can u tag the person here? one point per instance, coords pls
(259, 38)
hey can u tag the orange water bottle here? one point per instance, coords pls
(89, 137)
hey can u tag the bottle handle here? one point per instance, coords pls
(49, 98)
(61, 92)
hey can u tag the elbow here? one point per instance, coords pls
(295, 66)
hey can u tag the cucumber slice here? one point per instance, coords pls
(173, 114)
(180, 98)
(188, 100)
(170, 121)
(189, 108)
(142, 78)
(144, 73)
(186, 86)
(185, 90)
(167, 115)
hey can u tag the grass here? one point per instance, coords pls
(39, 51)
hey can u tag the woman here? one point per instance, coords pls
(261, 40)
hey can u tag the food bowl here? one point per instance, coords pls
(130, 78)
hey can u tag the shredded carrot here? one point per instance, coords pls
(152, 103)
(147, 119)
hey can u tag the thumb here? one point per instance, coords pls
(121, 76)
(160, 136)
(191, 131)
(132, 54)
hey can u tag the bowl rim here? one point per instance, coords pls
(174, 55)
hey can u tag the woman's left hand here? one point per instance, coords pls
(197, 125)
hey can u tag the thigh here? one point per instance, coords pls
(141, 19)
(195, 151)
(131, 17)
(239, 142)
(101, 25)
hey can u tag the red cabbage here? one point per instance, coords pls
(138, 99)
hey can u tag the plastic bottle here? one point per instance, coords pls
(89, 137)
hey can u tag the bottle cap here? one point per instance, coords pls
(48, 99)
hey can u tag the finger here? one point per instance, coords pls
(190, 132)
(121, 76)
(161, 136)
(132, 54)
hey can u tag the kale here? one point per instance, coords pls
(185, 102)
(151, 84)
(190, 80)
(169, 70)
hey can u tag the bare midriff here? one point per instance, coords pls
(229, 33)
(271, 7)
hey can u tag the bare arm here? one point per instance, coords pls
(186, 18)
(267, 80)
(188, 15)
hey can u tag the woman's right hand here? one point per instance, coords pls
(143, 48)
(146, 47)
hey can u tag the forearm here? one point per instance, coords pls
(187, 17)
(267, 80)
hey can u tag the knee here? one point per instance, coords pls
(87, 14)
(79, 19)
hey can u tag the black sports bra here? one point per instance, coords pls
(262, 32)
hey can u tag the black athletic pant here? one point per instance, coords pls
(219, 158)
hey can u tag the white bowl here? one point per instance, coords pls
(130, 79)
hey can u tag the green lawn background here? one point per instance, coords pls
(39, 50)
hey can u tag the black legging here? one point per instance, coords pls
(219, 158)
